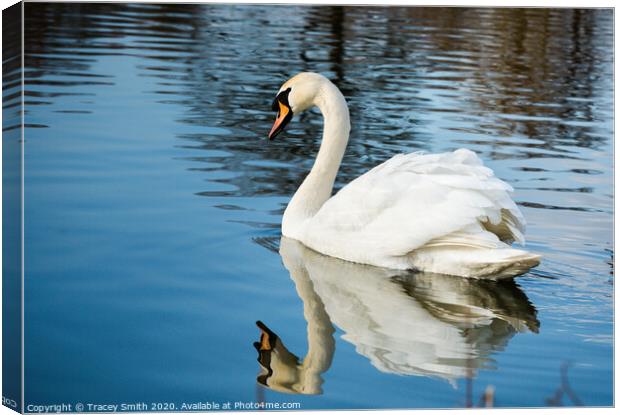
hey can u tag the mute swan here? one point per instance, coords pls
(442, 213)
(420, 324)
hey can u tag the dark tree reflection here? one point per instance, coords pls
(512, 83)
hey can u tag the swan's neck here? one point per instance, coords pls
(317, 187)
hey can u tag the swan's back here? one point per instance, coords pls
(424, 211)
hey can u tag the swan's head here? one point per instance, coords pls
(295, 96)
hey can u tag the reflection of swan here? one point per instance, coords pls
(282, 370)
(443, 213)
(410, 324)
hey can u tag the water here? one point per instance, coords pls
(154, 201)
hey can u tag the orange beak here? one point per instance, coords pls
(284, 116)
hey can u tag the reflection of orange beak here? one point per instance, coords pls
(284, 116)
(267, 338)
(265, 344)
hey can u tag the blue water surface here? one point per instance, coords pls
(153, 204)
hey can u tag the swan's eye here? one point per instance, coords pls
(283, 98)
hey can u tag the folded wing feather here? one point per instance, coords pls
(413, 200)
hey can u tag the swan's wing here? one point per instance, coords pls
(413, 200)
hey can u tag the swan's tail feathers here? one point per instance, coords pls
(474, 262)
(516, 263)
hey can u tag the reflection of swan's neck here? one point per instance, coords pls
(317, 187)
(321, 343)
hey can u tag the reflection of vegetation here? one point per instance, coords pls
(486, 73)
(487, 399)
(545, 77)
(11, 74)
(564, 390)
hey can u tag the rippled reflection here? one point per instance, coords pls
(510, 83)
(407, 324)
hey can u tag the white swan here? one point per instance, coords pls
(442, 213)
